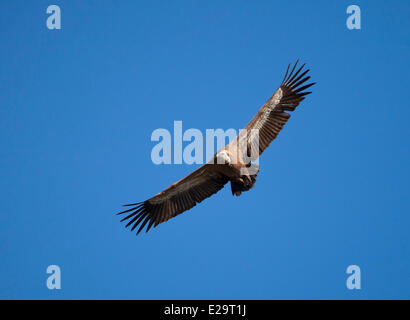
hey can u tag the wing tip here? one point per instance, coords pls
(294, 82)
(293, 76)
(140, 215)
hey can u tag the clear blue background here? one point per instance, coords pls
(78, 106)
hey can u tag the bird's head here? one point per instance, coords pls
(222, 157)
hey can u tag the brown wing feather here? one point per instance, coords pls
(272, 117)
(177, 198)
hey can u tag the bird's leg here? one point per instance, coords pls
(248, 174)
(244, 181)
(237, 186)
(247, 181)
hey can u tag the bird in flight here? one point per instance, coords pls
(233, 163)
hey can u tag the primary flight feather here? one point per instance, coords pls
(231, 164)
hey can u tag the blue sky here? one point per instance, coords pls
(78, 106)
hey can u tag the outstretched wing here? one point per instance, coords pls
(177, 198)
(271, 118)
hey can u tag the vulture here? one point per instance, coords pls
(233, 163)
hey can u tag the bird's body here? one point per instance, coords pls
(233, 163)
